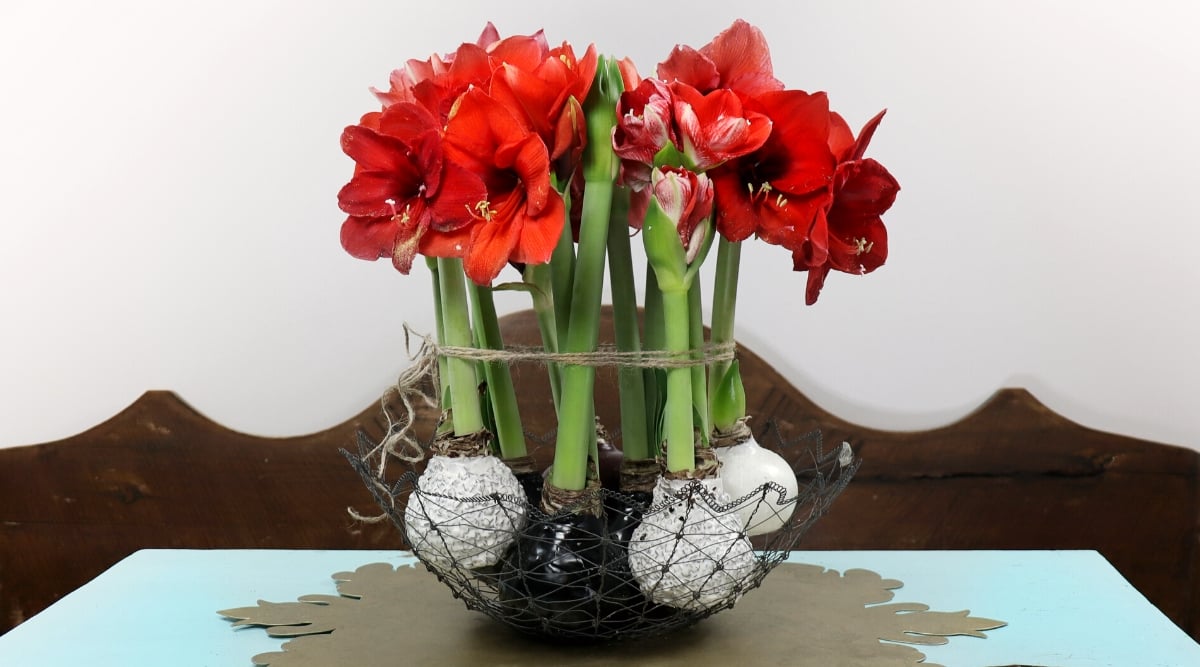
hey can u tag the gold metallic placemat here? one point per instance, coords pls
(804, 615)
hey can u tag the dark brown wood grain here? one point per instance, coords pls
(1012, 475)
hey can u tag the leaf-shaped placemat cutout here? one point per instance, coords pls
(808, 616)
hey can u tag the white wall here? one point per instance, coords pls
(168, 173)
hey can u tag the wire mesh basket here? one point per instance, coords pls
(613, 565)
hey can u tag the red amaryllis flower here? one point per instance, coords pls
(436, 82)
(522, 217)
(737, 59)
(686, 198)
(402, 186)
(714, 127)
(855, 239)
(550, 94)
(704, 131)
(777, 191)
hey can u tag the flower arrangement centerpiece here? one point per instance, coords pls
(511, 156)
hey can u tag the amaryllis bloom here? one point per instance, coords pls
(855, 239)
(676, 125)
(546, 85)
(678, 225)
(714, 127)
(778, 191)
(402, 186)
(687, 199)
(522, 217)
(737, 59)
(550, 92)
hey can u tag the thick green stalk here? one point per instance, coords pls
(440, 331)
(696, 342)
(576, 426)
(634, 435)
(539, 276)
(562, 269)
(655, 339)
(456, 320)
(678, 427)
(509, 431)
(724, 308)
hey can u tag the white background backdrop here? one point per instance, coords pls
(168, 218)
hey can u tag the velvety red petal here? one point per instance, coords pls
(540, 233)
(407, 121)
(864, 136)
(816, 280)
(861, 249)
(491, 245)
(407, 241)
(488, 37)
(372, 150)
(374, 193)
(689, 66)
(789, 224)
(841, 137)
(535, 98)
(629, 74)
(368, 238)
(741, 55)
(523, 52)
(866, 190)
(445, 243)
(715, 128)
(798, 159)
(456, 202)
(736, 218)
(529, 159)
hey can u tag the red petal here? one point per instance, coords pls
(529, 159)
(816, 280)
(489, 36)
(540, 233)
(736, 218)
(866, 190)
(741, 55)
(406, 121)
(689, 66)
(456, 202)
(372, 150)
(368, 238)
(629, 74)
(797, 156)
(864, 136)
(378, 194)
(714, 127)
(523, 52)
(492, 243)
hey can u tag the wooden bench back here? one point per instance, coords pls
(1012, 475)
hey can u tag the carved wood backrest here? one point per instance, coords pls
(1012, 475)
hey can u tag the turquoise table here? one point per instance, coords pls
(158, 607)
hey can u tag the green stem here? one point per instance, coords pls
(678, 427)
(499, 380)
(725, 286)
(562, 278)
(440, 331)
(456, 320)
(576, 426)
(539, 275)
(696, 344)
(655, 339)
(634, 436)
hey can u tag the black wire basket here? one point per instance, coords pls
(638, 566)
